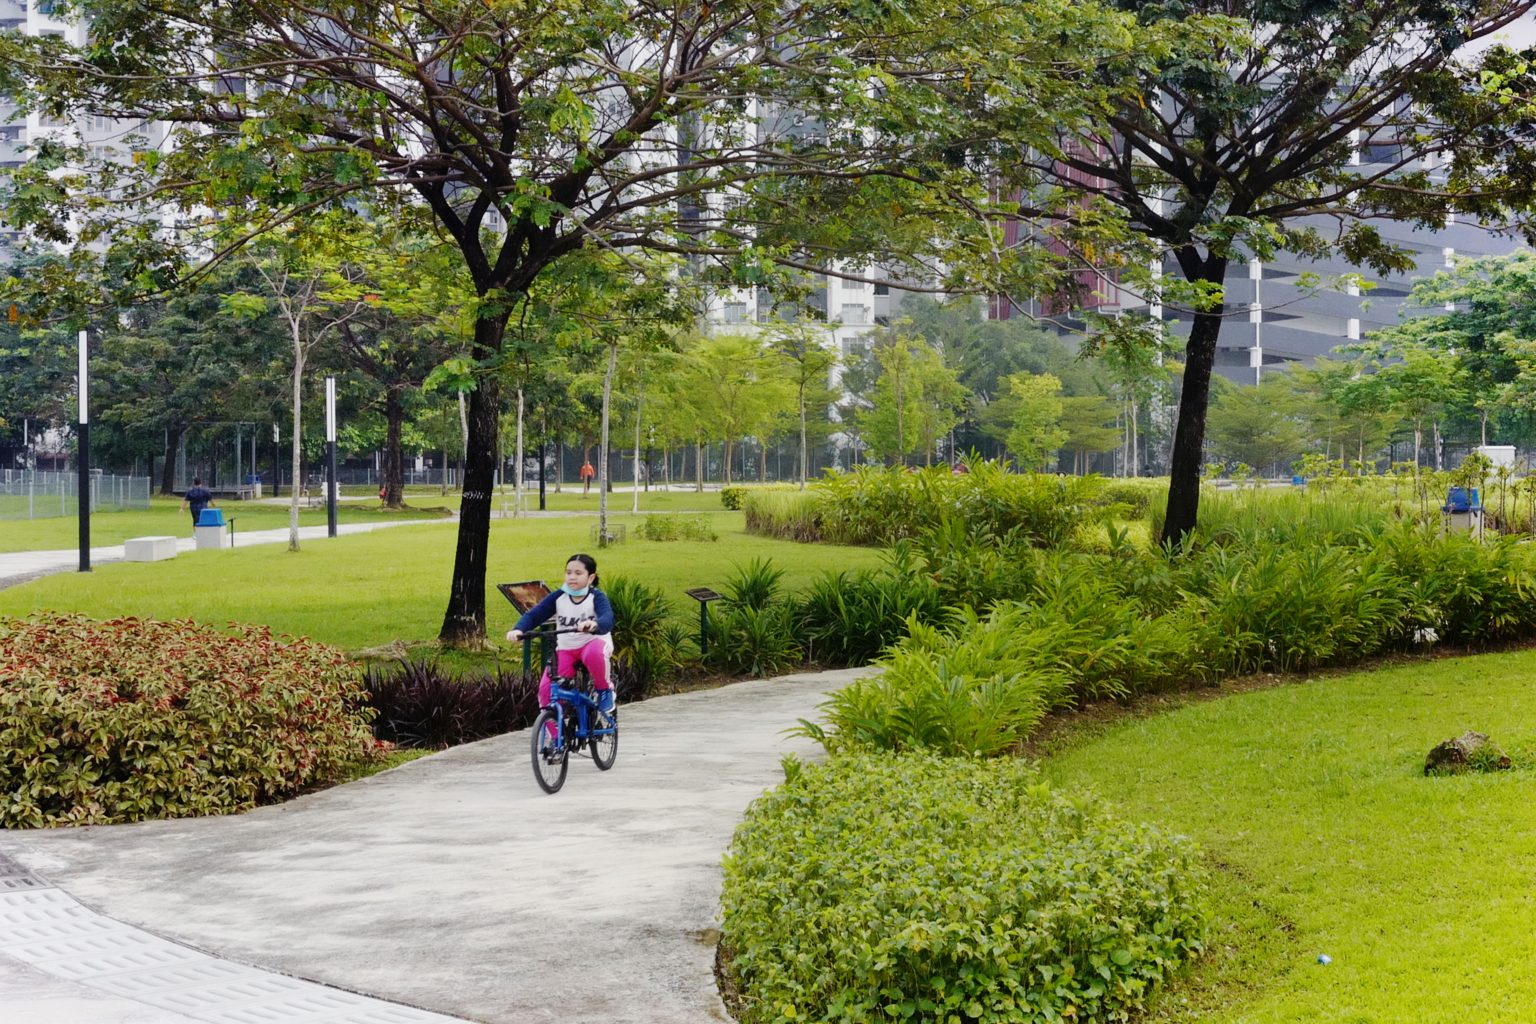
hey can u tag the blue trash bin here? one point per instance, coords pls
(1457, 499)
(211, 517)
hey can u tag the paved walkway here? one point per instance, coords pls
(451, 884)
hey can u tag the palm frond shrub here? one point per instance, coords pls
(753, 641)
(1294, 609)
(1465, 591)
(755, 584)
(645, 649)
(848, 618)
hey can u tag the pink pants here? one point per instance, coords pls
(593, 654)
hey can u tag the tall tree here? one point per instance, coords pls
(530, 131)
(1255, 146)
(1258, 425)
(1034, 433)
(807, 362)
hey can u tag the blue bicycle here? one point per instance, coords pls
(572, 724)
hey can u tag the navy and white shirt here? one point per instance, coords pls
(569, 613)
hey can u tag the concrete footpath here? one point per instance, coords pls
(453, 883)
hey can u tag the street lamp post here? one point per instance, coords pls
(330, 456)
(83, 460)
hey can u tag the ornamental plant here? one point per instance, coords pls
(912, 888)
(130, 719)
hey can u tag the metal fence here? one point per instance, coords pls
(26, 494)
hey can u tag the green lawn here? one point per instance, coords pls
(165, 517)
(1326, 838)
(369, 589)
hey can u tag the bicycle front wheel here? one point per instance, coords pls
(605, 747)
(551, 755)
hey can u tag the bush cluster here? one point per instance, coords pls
(421, 705)
(672, 526)
(1031, 630)
(873, 505)
(128, 719)
(734, 496)
(648, 645)
(914, 888)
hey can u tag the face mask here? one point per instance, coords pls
(576, 593)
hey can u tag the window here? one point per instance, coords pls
(11, 133)
(735, 312)
(855, 286)
(854, 313)
(882, 289)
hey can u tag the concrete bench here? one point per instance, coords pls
(149, 549)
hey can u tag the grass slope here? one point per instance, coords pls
(1311, 802)
(367, 590)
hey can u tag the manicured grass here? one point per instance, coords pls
(1325, 838)
(164, 517)
(366, 590)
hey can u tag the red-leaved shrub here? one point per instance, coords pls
(129, 719)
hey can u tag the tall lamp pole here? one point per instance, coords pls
(330, 456)
(83, 460)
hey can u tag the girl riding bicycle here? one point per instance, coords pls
(584, 621)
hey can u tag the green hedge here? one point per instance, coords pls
(913, 888)
(873, 505)
(125, 720)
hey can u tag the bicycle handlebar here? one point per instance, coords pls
(541, 633)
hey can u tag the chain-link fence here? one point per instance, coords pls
(26, 494)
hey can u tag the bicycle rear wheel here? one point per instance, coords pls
(551, 757)
(605, 747)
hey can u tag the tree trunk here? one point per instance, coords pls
(519, 503)
(464, 437)
(1189, 434)
(173, 434)
(298, 448)
(603, 480)
(803, 447)
(698, 466)
(394, 458)
(464, 620)
(639, 409)
(762, 460)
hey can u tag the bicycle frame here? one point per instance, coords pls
(563, 697)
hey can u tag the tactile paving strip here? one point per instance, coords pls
(14, 877)
(42, 926)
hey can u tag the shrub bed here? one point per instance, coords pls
(128, 719)
(420, 705)
(1033, 630)
(913, 888)
(874, 505)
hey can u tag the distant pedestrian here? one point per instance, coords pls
(587, 473)
(197, 498)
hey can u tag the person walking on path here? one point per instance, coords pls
(197, 498)
(587, 473)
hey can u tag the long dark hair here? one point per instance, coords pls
(589, 562)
